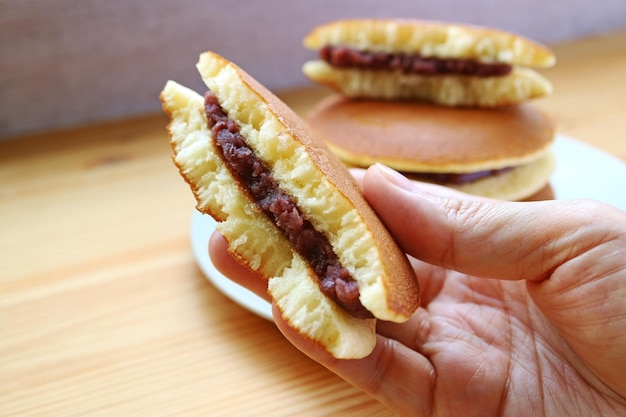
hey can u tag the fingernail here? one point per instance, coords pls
(395, 177)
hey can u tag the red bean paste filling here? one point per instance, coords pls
(257, 180)
(344, 57)
(458, 179)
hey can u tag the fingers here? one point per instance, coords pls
(377, 374)
(227, 265)
(393, 374)
(358, 174)
(475, 235)
(570, 252)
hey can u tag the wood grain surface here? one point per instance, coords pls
(103, 310)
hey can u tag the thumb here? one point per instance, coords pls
(570, 252)
(474, 235)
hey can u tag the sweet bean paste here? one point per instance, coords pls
(257, 180)
(344, 57)
(458, 179)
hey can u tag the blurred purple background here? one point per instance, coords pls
(66, 63)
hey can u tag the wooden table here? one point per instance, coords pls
(103, 309)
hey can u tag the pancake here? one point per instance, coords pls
(445, 63)
(513, 142)
(289, 209)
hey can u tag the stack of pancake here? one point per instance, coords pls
(441, 102)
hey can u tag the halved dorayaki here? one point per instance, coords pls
(289, 209)
(446, 63)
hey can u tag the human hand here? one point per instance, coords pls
(523, 306)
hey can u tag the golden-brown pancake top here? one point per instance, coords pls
(420, 137)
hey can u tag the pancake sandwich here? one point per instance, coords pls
(503, 153)
(289, 209)
(445, 63)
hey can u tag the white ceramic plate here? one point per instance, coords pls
(581, 172)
